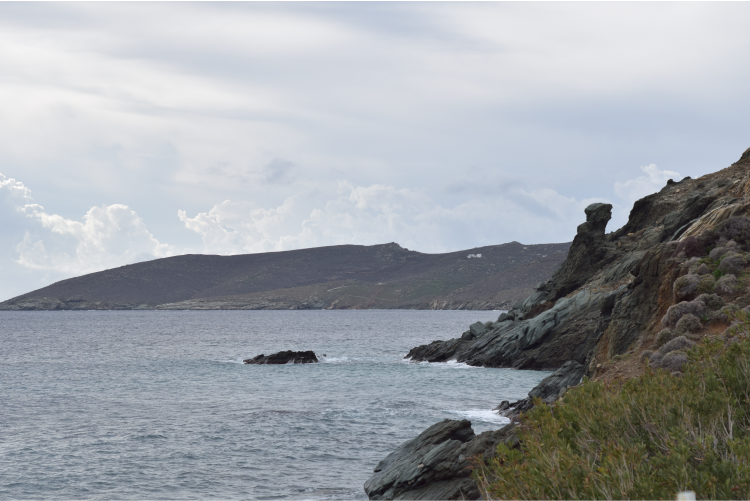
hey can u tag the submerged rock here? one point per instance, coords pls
(284, 357)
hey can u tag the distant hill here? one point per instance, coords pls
(338, 277)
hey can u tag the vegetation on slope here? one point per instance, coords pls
(645, 438)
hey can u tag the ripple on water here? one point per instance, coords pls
(159, 405)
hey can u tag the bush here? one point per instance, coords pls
(646, 438)
(726, 285)
(716, 254)
(712, 301)
(706, 284)
(691, 246)
(678, 343)
(677, 311)
(734, 228)
(732, 264)
(686, 287)
(702, 269)
(664, 335)
(688, 324)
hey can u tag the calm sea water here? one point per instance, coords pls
(157, 405)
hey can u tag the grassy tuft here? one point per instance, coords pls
(647, 438)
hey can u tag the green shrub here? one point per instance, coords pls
(647, 438)
(718, 273)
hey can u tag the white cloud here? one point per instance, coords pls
(108, 236)
(380, 213)
(653, 180)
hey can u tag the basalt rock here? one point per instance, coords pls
(435, 465)
(284, 357)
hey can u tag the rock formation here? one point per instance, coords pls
(284, 357)
(435, 465)
(610, 291)
(640, 296)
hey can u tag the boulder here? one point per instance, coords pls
(549, 389)
(569, 374)
(477, 329)
(284, 357)
(435, 465)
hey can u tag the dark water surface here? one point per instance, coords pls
(157, 405)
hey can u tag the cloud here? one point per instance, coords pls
(107, 236)
(381, 213)
(653, 180)
(278, 170)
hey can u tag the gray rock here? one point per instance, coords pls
(434, 464)
(477, 329)
(505, 316)
(568, 375)
(284, 357)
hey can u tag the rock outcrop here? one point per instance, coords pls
(548, 390)
(436, 464)
(612, 290)
(284, 357)
(675, 273)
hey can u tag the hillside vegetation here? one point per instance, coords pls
(647, 438)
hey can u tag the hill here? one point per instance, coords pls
(339, 277)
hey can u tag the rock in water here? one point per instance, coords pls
(284, 357)
(434, 465)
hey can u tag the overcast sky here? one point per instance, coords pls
(135, 131)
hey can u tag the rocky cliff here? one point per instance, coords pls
(611, 292)
(671, 276)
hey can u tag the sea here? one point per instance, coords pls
(158, 404)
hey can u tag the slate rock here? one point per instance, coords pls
(284, 357)
(434, 464)
(569, 374)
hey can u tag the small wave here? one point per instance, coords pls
(333, 494)
(484, 415)
(333, 360)
(459, 365)
(450, 364)
(231, 361)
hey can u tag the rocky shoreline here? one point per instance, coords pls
(640, 295)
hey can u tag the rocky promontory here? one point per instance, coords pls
(675, 274)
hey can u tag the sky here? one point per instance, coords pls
(134, 131)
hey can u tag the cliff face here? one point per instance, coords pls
(673, 275)
(610, 294)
